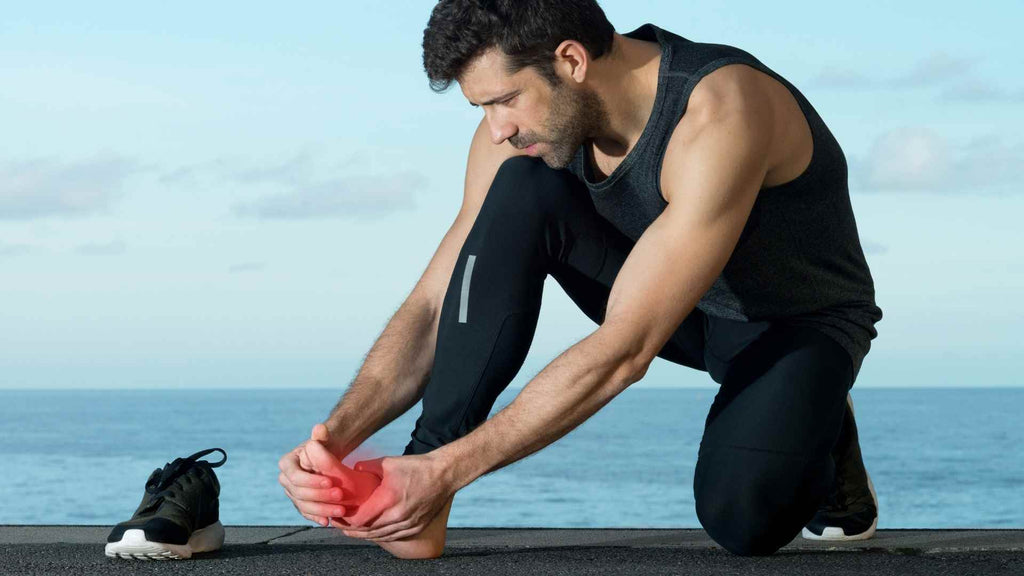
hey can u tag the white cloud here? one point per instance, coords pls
(845, 78)
(296, 170)
(916, 158)
(989, 161)
(935, 69)
(909, 158)
(13, 249)
(48, 187)
(975, 90)
(190, 175)
(308, 192)
(348, 197)
(102, 249)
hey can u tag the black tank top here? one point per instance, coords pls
(799, 257)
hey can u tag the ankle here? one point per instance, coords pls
(427, 544)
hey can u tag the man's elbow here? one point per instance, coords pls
(638, 367)
(631, 355)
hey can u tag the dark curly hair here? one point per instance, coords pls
(527, 31)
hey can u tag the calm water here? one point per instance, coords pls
(939, 458)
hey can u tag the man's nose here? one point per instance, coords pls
(501, 131)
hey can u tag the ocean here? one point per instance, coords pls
(939, 457)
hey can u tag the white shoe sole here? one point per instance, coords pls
(133, 544)
(837, 533)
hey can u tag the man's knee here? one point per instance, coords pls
(740, 532)
(525, 168)
(755, 507)
(527, 183)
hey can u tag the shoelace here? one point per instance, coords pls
(161, 481)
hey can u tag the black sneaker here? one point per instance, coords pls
(850, 512)
(178, 516)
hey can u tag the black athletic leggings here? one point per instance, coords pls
(763, 465)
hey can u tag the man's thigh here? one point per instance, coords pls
(783, 388)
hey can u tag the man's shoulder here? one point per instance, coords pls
(733, 89)
(729, 91)
(728, 88)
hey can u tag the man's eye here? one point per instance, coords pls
(509, 100)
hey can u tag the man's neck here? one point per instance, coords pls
(628, 85)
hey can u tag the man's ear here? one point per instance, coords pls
(572, 57)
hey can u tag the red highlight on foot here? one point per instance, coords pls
(356, 487)
(356, 484)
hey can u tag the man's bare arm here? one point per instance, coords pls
(397, 367)
(391, 379)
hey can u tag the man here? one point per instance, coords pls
(695, 206)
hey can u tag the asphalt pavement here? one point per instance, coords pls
(252, 550)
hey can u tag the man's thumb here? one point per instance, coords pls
(320, 434)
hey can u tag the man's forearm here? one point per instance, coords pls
(392, 378)
(574, 386)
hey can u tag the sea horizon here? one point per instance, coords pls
(939, 458)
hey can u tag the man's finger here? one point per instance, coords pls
(381, 532)
(304, 462)
(387, 523)
(292, 467)
(299, 477)
(325, 495)
(316, 494)
(399, 535)
(338, 522)
(321, 520)
(376, 534)
(318, 519)
(319, 508)
(372, 509)
(327, 509)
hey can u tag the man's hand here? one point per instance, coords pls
(413, 491)
(314, 495)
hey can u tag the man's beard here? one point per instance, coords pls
(574, 116)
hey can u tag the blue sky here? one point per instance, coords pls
(242, 194)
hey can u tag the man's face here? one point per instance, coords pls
(525, 109)
(574, 115)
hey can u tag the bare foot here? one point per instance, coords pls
(427, 544)
(357, 487)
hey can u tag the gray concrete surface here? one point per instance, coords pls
(34, 550)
